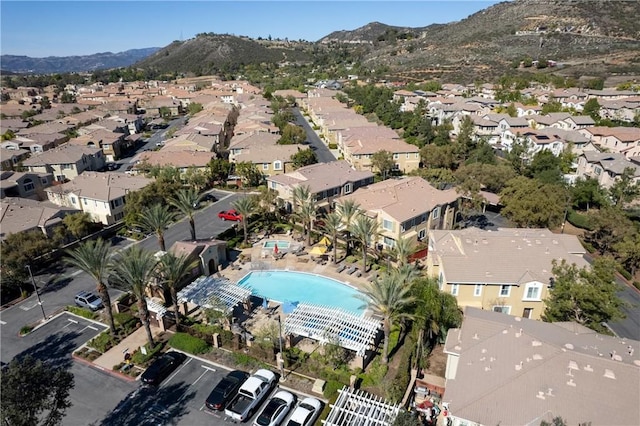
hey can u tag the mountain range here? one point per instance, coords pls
(592, 38)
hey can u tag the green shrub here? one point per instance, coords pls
(375, 374)
(125, 321)
(206, 329)
(590, 248)
(244, 359)
(333, 146)
(139, 358)
(83, 312)
(624, 272)
(102, 342)
(26, 330)
(636, 284)
(331, 389)
(579, 220)
(188, 343)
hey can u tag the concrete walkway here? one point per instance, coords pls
(115, 355)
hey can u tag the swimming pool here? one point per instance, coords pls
(292, 286)
(282, 244)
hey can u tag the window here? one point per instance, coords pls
(505, 290)
(265, 166)
(454, 289)
(274, 185)
(422, 234)
(66, 166)
(277, 165)
(28, 185)
(408, 155)
(396, 156)
(532, 291)
(389, 242)
(435, 213)
(502, 309)
(347, 188)
(387, 224)
(526, 313)
(477, 290)
(73, 200)
(84, 200)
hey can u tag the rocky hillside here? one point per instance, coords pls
(63, 64)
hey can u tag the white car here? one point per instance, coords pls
(305, 413)
(276, 409)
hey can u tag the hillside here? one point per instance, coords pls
(63, 64)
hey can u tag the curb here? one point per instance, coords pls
(105, 370)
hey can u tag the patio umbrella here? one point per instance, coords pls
(318, 250)
(275, 249)
(325, 241)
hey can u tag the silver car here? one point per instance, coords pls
(88, 300)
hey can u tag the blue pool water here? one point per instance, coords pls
(291, 286)
(272, 243)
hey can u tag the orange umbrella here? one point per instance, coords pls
(275, 249)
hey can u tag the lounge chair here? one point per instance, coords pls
(341, 268)
(373, 277)
(351, 270)
(301, 253)
(358, 273)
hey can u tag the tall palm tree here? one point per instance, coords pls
(186, 201)
(332, 226)
(156, 219)
(348, 209)
(172, 270)
(245, 207)
(388, 297)
(301, 194)
(306, 214)
(364, 230)
(403, 248)
(93, 257)
(406, 273)
(133, 271)
(267, 201)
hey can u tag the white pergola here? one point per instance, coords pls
(327, 324)
(359, 408)
(215, 293)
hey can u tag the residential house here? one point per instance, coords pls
(112, 144)
(622, 110)
(153, 106)
(406, 208)
(508, 270)
(22, 215)
(242, 143)
(210, 253)
(66, 161)
(102, 195)
(326, 182)
(182, 160)
(508, 370)
(270, 160)
(10, 157)
(24, 184)
(605, 167)
(37, 142)
(623, 140)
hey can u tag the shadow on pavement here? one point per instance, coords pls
(151, 406)
(55, 284)
(55, 349)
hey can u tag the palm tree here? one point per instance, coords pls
(364, 230)
(301, 194)
(93, 257)
(306, 214)
(332, 226)
(403, 248)
(133, 271)
(172, 270)
(267, 201)
(348, 210)
(156, 219)
(436, 311)
(388, 297)
(186, 201)
(407, 273)
(245, 207)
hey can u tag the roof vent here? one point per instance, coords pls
(588, 368)
(475, 337)
(540, 395)
(573, 365)
(609, 374)
(519, 366)
(537, 357)
(536, 343)
(571, 383)
(568, 346)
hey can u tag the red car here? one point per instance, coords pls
(230, 215)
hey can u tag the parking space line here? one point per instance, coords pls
(72, 320)
(198, 379)
(178, 370)
(208, 368)
(91, 327)
(2, 322)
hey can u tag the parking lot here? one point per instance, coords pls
(179, 400)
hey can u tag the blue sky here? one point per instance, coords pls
(57, 28)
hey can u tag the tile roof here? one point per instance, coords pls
(469, 255)
(102, 186)
(177, 158)
(21, 214)
(403, 198)
(63, 154)
(611, 161)
(322, 176)
(515, 371)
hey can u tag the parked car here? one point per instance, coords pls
(86, 299)
(225, 390)
(276, 409)
(250, 395)
(230, 215)
(209, 197)
(113, 166)
(162, 367)
(306, 413)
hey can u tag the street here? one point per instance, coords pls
(321, 150)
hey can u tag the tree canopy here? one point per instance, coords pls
(304, 157)
(531, 203)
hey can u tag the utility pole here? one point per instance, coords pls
(281, 360)
(35, 288)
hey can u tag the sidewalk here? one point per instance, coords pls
(132, 342)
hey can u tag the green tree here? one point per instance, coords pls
(609, 227)
(587, 193)
(304, 157)
(592, 109)
(628, 252)
(306, 213)
(404, 418)
(517, 155)
(490, 177)
(383, 162)
(365, 230)
(94, 258)
(389, 298)
(165, 112)
(587, 296)
(245, 207)
(78, 224)
(556, 421)
(332, 226)
(196, 178)
(531, 203)
(172, 272)
(348, 210)
(292, 134)
(249, 173)
(193, 108)
(133, 271)
(545, 167)
(625, 189)
(403, 248)
(435, 311)
(219, 170)
(156, 219)
(67, 98)
(186, 201)
(436, 157)
(34, 393)
(45, 103)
